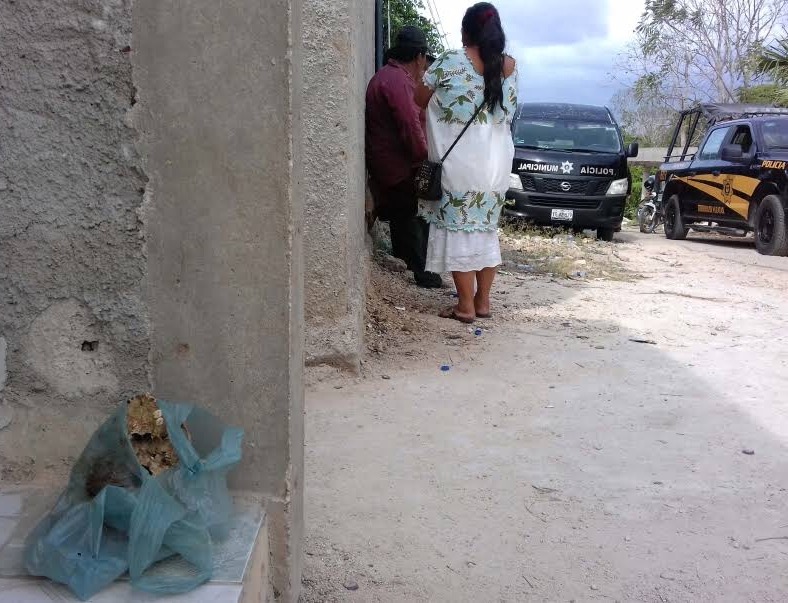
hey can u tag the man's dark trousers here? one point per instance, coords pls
(409, 237)
(409, 232)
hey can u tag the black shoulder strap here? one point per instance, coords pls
(468, 125)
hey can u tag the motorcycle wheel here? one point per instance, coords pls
(646, 220)
(654, 222)
(639, 212)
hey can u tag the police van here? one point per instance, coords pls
(737, 180)
(570, 168)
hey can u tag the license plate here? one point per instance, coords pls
(564, 215)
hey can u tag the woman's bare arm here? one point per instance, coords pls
(423, 94)
(509, 65)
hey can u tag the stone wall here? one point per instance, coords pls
(339, 60)
(73, 323)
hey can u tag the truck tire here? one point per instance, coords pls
(674, 224)
(605, 234)
(771, 234)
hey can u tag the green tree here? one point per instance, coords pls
(409, 12)
(772, 62)
(643, 118)
(765, 94)
(688, 51)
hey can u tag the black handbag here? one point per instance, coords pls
(428, 175)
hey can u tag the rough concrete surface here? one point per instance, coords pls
(3, 370)
(558, 459)
(339, 60)
(71, 254)
(219, 121)
(51, 351)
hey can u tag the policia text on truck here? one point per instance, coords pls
(570, 168)
(736, 182)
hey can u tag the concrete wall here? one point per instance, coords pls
(654, 156)
(219, 117)
(73, 323)
(339, 60)
(185, 274)
(152, 190)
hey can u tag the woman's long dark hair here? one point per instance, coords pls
(482, 28)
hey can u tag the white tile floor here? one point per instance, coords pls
(44, 591)
(11, 502)
(21, 508)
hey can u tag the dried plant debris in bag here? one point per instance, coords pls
(147, 432)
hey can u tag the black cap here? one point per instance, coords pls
(411, 37)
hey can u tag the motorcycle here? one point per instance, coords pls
(650, 213)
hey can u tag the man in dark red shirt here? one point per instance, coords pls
(395, 145)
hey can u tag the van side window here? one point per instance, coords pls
(712, 149)
(742, 137)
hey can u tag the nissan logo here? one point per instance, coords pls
(566, 187)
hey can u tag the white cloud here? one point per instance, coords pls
(622, 19)
(575, 67)
(451, 13)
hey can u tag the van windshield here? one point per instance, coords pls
(566, 135)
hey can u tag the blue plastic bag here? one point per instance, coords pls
(88, 541)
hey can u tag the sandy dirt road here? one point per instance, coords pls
(558, 459)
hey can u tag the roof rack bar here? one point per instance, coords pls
(714, 114)
(690, 134)
(726, 112)
(675, 137)
(723, 118)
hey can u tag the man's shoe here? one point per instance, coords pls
(428, 280)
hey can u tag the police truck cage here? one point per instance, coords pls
(713, 113)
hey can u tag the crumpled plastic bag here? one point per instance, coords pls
(137, 519)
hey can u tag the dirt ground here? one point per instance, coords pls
(587, 443)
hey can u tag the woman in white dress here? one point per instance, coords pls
(463, 236)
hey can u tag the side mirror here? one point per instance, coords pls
(732, 153)
(633, 149)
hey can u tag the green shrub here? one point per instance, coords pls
(637, 190)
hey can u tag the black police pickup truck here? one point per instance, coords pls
(737, 180)
(570, 168)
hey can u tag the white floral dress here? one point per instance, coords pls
(464, 223)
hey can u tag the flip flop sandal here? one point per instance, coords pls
(452, 314)
(484, 316)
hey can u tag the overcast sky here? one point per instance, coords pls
(565, 49)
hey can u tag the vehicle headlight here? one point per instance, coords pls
(618, 187)
(515, 182)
